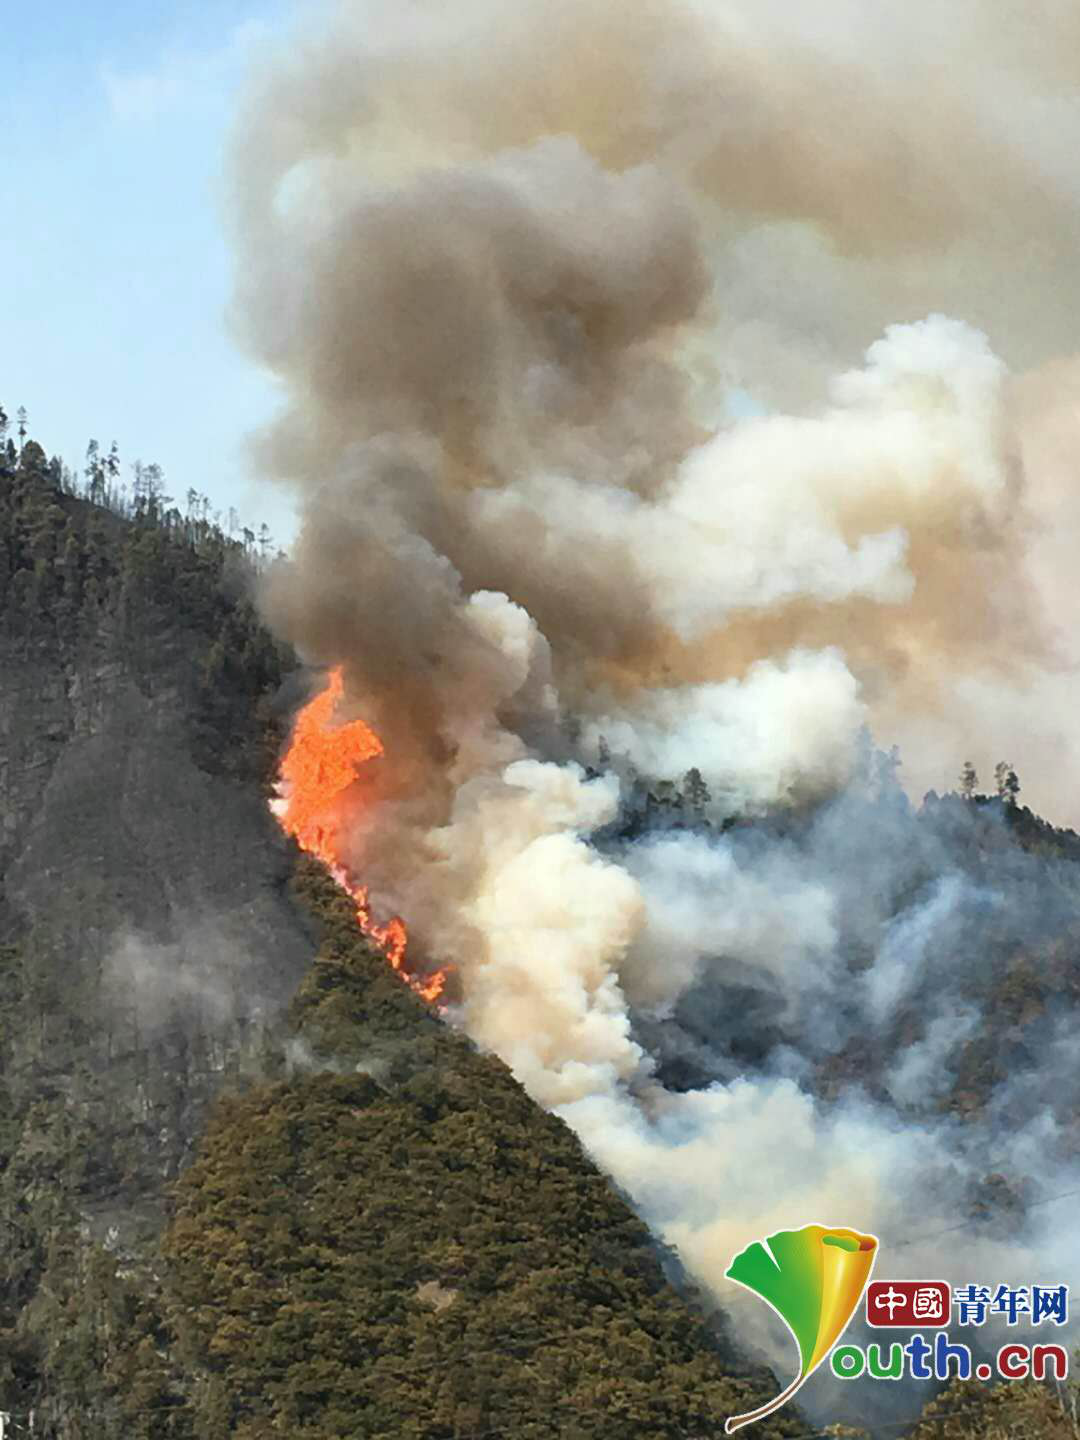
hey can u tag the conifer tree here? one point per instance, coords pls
(695, 792)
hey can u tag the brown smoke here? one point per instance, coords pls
(653, 375)
(476, 249)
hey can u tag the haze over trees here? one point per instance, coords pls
(372, 1232)
(250, 1184)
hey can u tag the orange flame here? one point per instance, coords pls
(319, 766)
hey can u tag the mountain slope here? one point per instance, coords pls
(433, 1258)
(379, 1234)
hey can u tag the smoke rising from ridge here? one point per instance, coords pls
(632, 434)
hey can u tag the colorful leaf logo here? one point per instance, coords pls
(813, 1278)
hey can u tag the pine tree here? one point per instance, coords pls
(95, 474)
(1012, 788)
(886, 764)
(696, 792)
(138, 487)
(154, 480)
(968, 781)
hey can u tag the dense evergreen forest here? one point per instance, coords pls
(330, 1219)
(304, 1206)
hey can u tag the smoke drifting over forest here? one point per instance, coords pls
(678, 387)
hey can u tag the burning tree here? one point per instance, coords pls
(320, 765)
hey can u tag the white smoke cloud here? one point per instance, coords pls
(511, 267)
(921, 1073)
(202, 977)
(705, 909)
(547, 921)
(905, 948)
(756, 741)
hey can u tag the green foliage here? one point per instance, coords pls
(380, 1235)
(395, 1241)
(1024, 827)
(1017, 1410)
(133, 576)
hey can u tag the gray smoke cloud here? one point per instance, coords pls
(194, 984)
(676, 386)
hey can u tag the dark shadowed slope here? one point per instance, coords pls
(379, 1235)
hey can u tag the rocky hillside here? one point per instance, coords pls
(250, 1185)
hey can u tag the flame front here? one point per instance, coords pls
(319, 766)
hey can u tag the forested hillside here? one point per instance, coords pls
(250, 1184)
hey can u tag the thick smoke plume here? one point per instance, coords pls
(632, 437)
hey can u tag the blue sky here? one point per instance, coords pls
(114, 268)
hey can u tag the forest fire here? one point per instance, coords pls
(318, 767)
